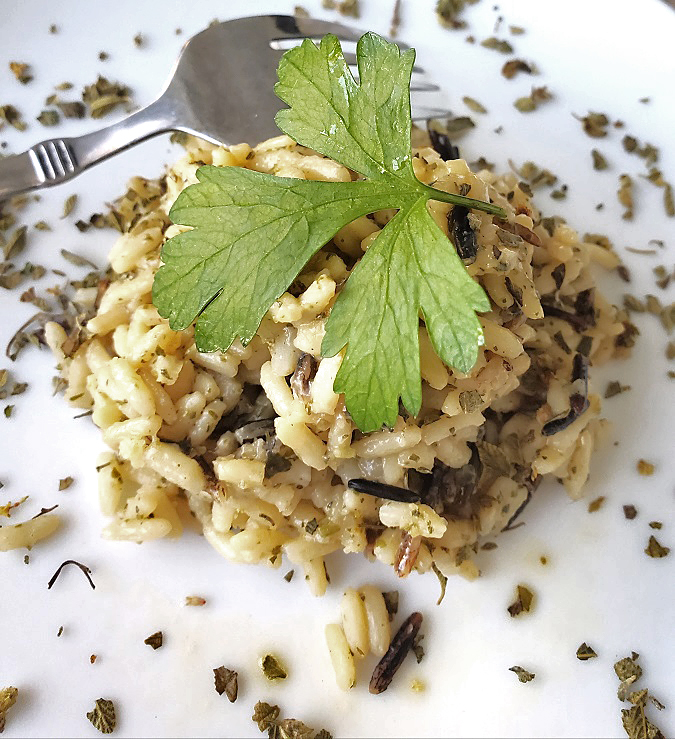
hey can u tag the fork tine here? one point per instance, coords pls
(291, 27)
(423, 113)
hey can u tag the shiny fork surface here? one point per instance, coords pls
(221, 89)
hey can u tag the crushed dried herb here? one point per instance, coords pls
(500, 45)
(473, 105)
(103, 716)
(226, 681)
(630, 512)
(12, 116)
(272, 668)
(595, 124)
(614, 387)
(523, 602)
(155, 640)
(514, 66)
(48, 118)
(645, 468)
(8, 698)
(656, 550)
(596, 505)
(523, 675)
(625, 196)
(65, 482)
(391, 603)
(584, 652)
(68, 207)
(599, 161)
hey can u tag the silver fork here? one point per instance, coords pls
(221, 89)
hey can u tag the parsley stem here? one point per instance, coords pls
(447, 197)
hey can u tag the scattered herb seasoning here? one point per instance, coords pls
(104, 96)
(625, 195)
(272, 668)
(630, 512)
(585, 652)
(65, 483)
(614, 387)
(391, 603)
(395, 19)
(473, 105)
(48, 118)
(595, 125)
(93, 658)
(656, 550)
(85, 570)
(226, 681)
(645, 468)
(265, 715)
(514, 66)
(74, 109)
(8, 698)
(596, 505)
(12, 116)
(26, 559)
(634, 719)
(599, 161)
(103, 56)
(103, 716)
(8, 410)
(289, 575)
(68, 206)
(448, 12)
(443, 580)
(523, 675)
(655, 525)
(60, 631)
(155, 640)
(53, 28)
(21, 71)
(139, 40)
(195, 600)
(523, 602)
(532, 101)
(500, 45)
(401, 644)
(382, 490)
(418, 649)
(470, 400)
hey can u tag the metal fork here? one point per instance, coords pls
(221, 89)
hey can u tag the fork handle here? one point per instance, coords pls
(58, 160)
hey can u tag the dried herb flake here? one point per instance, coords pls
(523, 675)
(656, 550)
(523, 601)
(8, 698)
(155, 640)
(103, 716)
(585, 652)
(226, 681)
(272, 668)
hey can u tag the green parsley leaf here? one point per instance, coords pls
(253, 233)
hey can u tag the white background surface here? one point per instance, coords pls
(599, 587)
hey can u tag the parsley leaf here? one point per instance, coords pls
(253, 233)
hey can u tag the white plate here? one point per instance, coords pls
(599, 585)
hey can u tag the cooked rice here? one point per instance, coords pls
(262, 448)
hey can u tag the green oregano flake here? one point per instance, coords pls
(523, 602)
(103, 716)
(585, 652)
(523, 675)
(272, 668)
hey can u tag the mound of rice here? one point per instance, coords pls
(257, 443)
